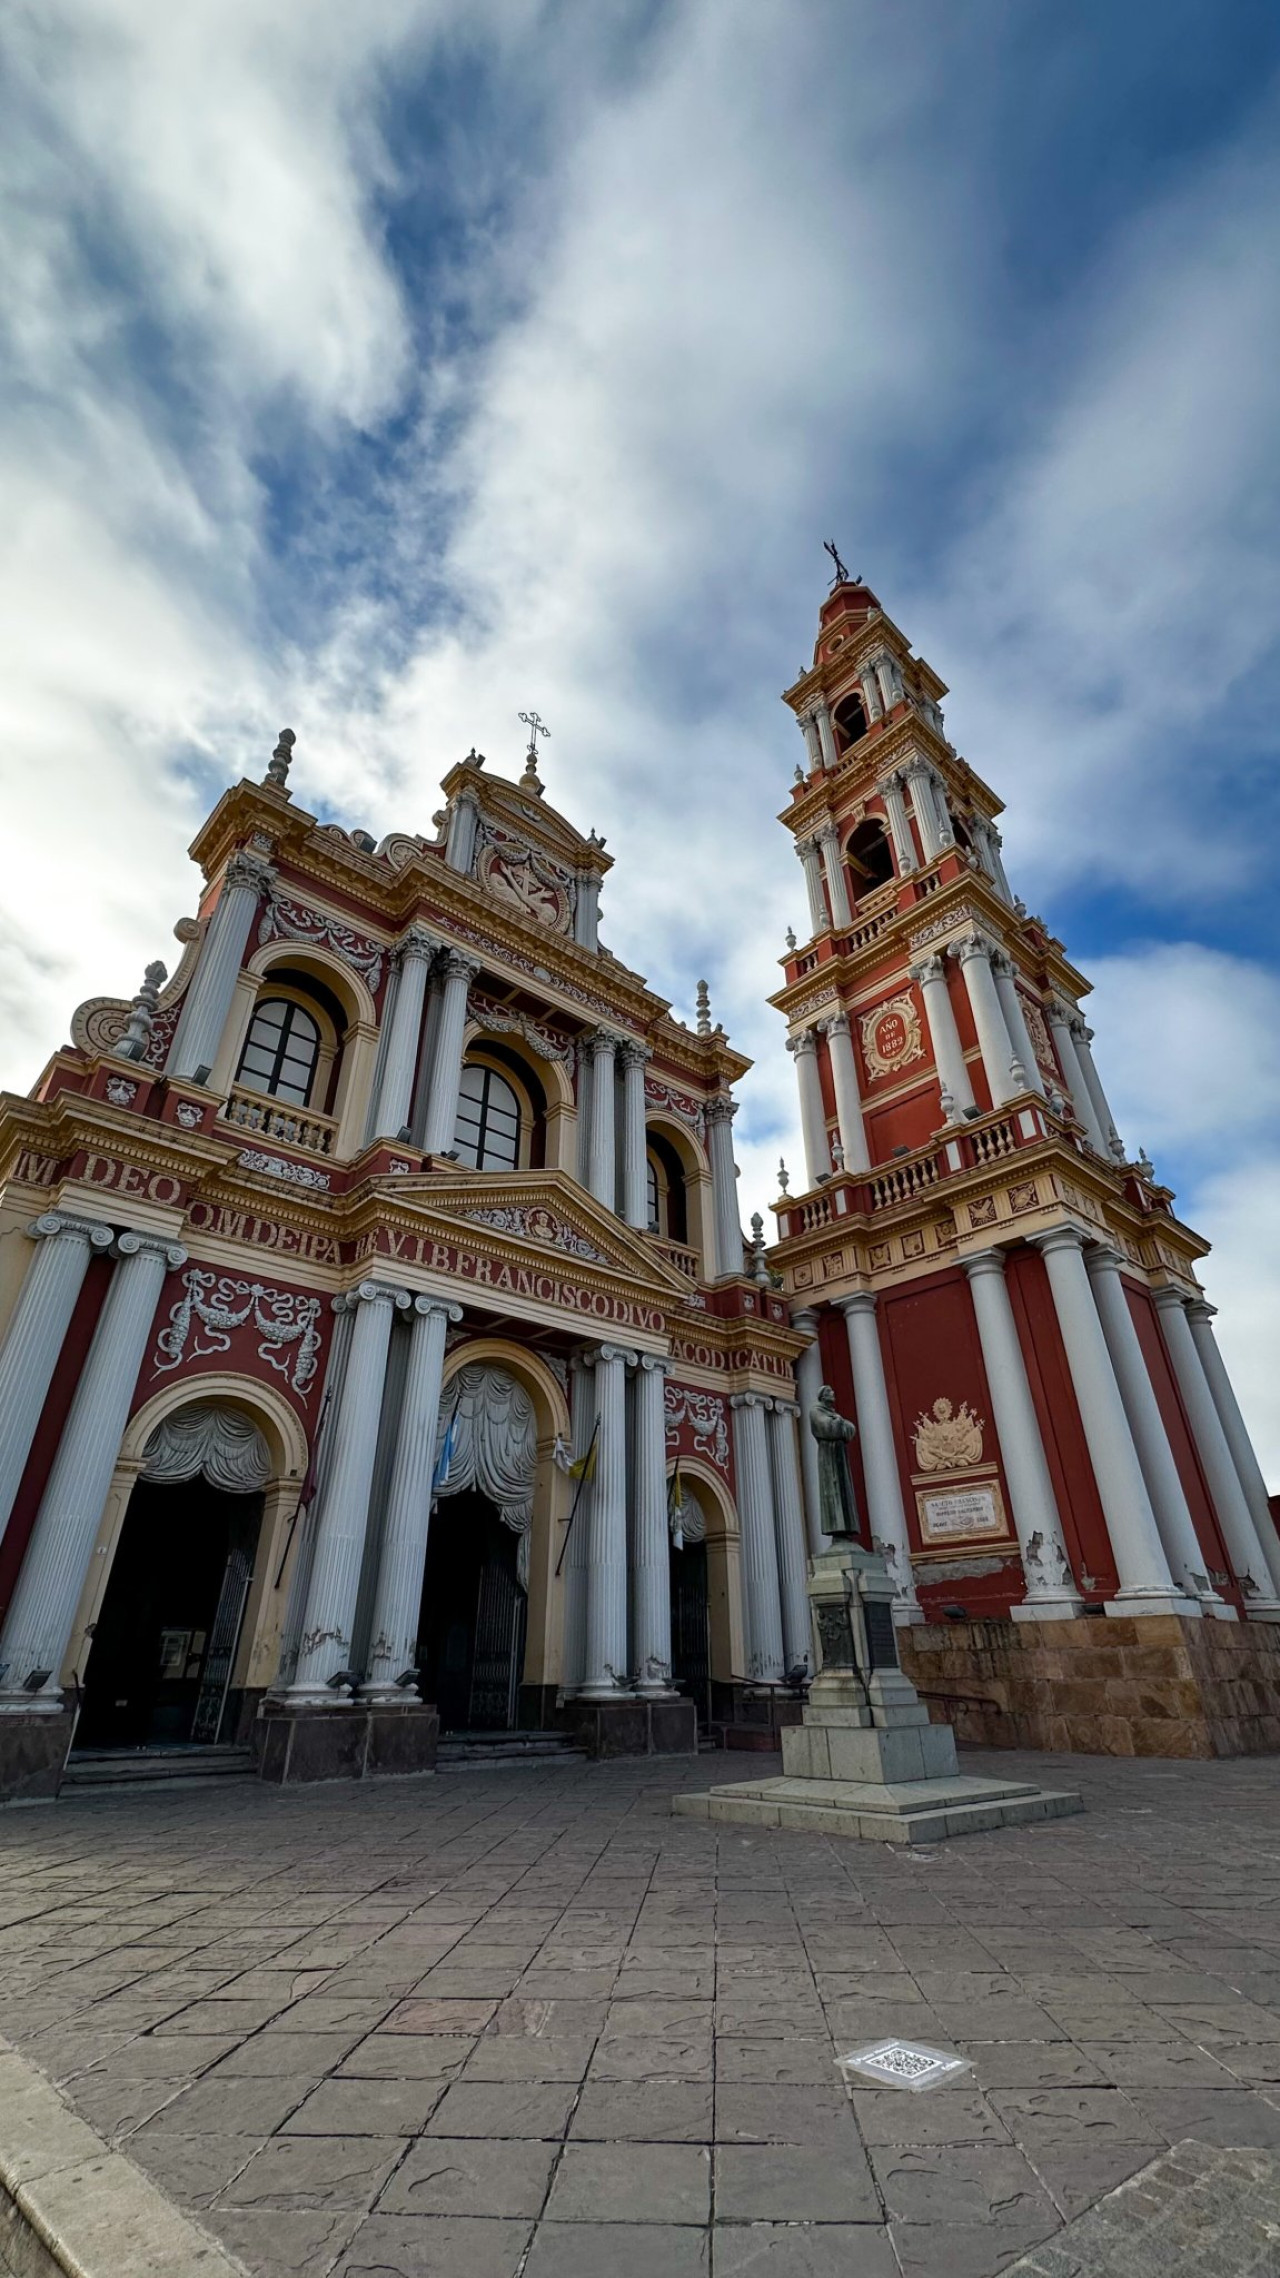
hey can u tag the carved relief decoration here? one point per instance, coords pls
(503, 1022)
(522, 880)
(539, 1224)
(284, 1167)
(948, 1439)
(703, 1412)
(214, 1305)
(680, 1104)
(891, 1036)
(295, 922)
(1039, 1034)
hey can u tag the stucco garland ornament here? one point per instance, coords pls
(284, 1320)
(704, 1414)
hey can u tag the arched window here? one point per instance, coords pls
(668, 1210)
(651, 1174)
(870, 858)
(488, 1133)
(281, 1051)
(851, 720)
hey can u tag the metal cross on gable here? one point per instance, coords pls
(536, 727)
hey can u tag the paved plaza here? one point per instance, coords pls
(527, 2022)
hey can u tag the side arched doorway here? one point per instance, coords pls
(475, 1595)
(690, 1598)
(166, 1635)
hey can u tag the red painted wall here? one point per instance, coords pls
(1194, 1484)
(1083, 1524)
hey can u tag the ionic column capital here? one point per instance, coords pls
(748, 1400)
(803, 1042)
(423, 1306)
(372, 1293)
(655, 1364)
(971, 945)
(60, 1223)
(835, 1024)
(782, 1407)
(132, 1244)
(609, 1355)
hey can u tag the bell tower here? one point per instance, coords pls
(1002, 1297)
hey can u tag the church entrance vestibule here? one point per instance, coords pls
(163, 1654)
(471, 1634)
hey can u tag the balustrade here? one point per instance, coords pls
(272, 1119)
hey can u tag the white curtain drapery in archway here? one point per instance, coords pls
(220, 1444)
(488, 1423)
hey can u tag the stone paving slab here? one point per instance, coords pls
(1195, 2213)
(530, 2022)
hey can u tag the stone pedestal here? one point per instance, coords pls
(632, 1726)
(33, 1754)
(866, 1760)
(344, 1743)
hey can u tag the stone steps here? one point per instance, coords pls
(478, 1751)
(95, 1768)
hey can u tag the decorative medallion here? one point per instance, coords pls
(189, 1115)
(1025, 1197)
(948, 1439)
(891, 1037)
(120, 1091)
(983, 1211)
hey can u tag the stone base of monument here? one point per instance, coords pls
(866, 1761)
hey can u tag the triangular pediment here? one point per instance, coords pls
(547, 1215)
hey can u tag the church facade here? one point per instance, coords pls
(379, 1333)
(998, 1291)
(380, 1350)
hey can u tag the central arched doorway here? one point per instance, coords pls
(474, 1619)
(165, 1639)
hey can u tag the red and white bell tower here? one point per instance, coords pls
(1004, 1301)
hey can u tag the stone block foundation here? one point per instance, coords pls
(351, 1743)
(1161, 1686)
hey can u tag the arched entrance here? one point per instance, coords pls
(165, 1639)
(485, 1544)
(690, 1600)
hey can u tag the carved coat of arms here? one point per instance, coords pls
(948, 1438)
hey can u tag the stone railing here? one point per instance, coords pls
(273, 1119)
(902, 1182)
(961, 1147)
(679, 1255)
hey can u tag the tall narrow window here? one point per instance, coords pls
(488, 1133)
(281, 1051)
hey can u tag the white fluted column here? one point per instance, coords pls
(919, 777)
(833, 870)
(813, 1115)
(844, 1076)
(1146, 1584)
(895, 807)
(635, 1179)
(208, 998)
(1015, 1019)
(1187, 1561)
(1082, 1038)
(994, 1041)
(813, 744)
(1051, 1591)
(651, 1561)
(872, 699)
(586, 911)
(1248, 1470)
(807, 849)
(602, 1154)
(953, 1076)
(1059, 1020)
(788, 1520)
(605, 1657)
(326, 1641)
(885, 1513)
(34, 1336)
(400, 1062)
(1249, 1562)
(995, 844)
(440, 1128)
(460, 839)
(826, 734)
(808, 1386)
(37, 1629)
(765, 1655)
(402, 1557)
(724, 1184)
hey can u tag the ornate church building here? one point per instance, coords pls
(378, 1337)
(1000, 1295)
(380, 1351)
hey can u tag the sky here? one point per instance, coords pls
(385, 371)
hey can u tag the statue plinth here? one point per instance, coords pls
(866, 1760)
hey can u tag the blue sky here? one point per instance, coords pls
(388, 370)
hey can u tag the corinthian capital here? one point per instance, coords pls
(971, 945)
(721, 1109)
(803, 1043)
(926, 969)
(247, 870)
(634, 1054)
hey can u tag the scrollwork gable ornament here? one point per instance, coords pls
(294, 921)
(538, 1224)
